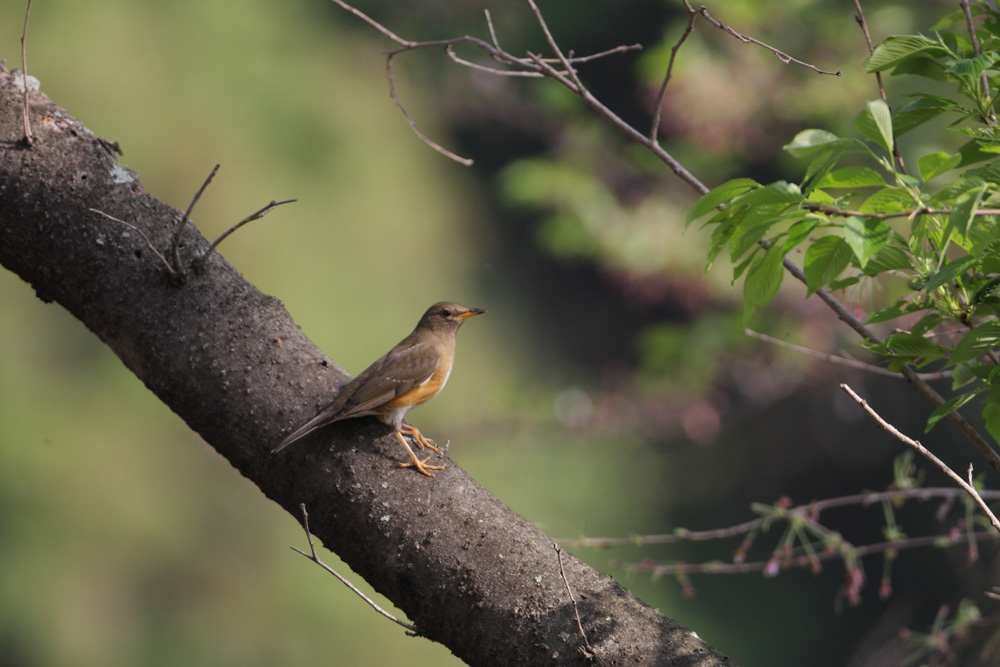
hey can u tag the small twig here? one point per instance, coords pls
(175, 245)
(555, 46)
(315, 558)
(964, 4)
(719, 567)
(141, 233)
(746, 39)
(569, 589)
(843, 361)
(464, 161)
(927, 454)
(658, 108)
(29, 136)
(810, 509)
(250, 218)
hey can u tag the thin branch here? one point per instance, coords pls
(141, 233)
(175, 245)
(809, 509)
(464, 161)
(719, 567)
(923, 210)
(842, 361)
(658, 108)
(746, 39)
(250, 218)
(315, 558)
(927, 454)
(29, 136)
(572, 598)
(555, 46)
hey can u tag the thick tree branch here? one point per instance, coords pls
(466, 570)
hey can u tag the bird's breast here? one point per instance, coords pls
(427, 389)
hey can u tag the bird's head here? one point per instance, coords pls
(447, 316)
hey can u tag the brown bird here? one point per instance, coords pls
(412, 372)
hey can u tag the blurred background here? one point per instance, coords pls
(609, 391)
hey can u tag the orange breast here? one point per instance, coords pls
(425, 391)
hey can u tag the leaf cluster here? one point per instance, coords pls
(930, 242)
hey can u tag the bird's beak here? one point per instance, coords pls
(470, 313)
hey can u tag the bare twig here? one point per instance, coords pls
(141, 233)
(842, 361)
(781, 55)
(572, 598)
(658, 108)
(257, 215)
(927, 454)
(555, 45)
(719, 567)
(809, 509)
(175, 245)
(464, 161)
(29, 136)
(315, 558)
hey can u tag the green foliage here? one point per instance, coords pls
(863, 218)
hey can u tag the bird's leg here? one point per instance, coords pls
(417, 436)
(414, 461)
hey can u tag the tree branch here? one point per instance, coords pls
(467, 570)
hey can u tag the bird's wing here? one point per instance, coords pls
(406, 366)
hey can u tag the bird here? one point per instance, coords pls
(412, 372)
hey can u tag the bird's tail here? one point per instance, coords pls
(301, 432)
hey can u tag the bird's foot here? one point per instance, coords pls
(421, 466)
(414, 461)
(418, 437)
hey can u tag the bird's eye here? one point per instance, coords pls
(447, 312)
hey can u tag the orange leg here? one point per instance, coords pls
(417, 436)
(414, 461)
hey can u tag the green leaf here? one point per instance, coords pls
(973, 67)
(875, 122)
(991, 415)
(976, 343)
(718, 195)
(780, 192)
(720, 237)
(949, 272)
(913, 117)
(763, 279)
(897, 309)
(935, 164)
(895, 50)
(888, 200)
(798, 233)
(950, 406)
(810, 143)
(851, 177)
(962, 376)
(889, 258)
(752, 227)
(865, 236)
(825, 260)
(908, 347)
(965, 209)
